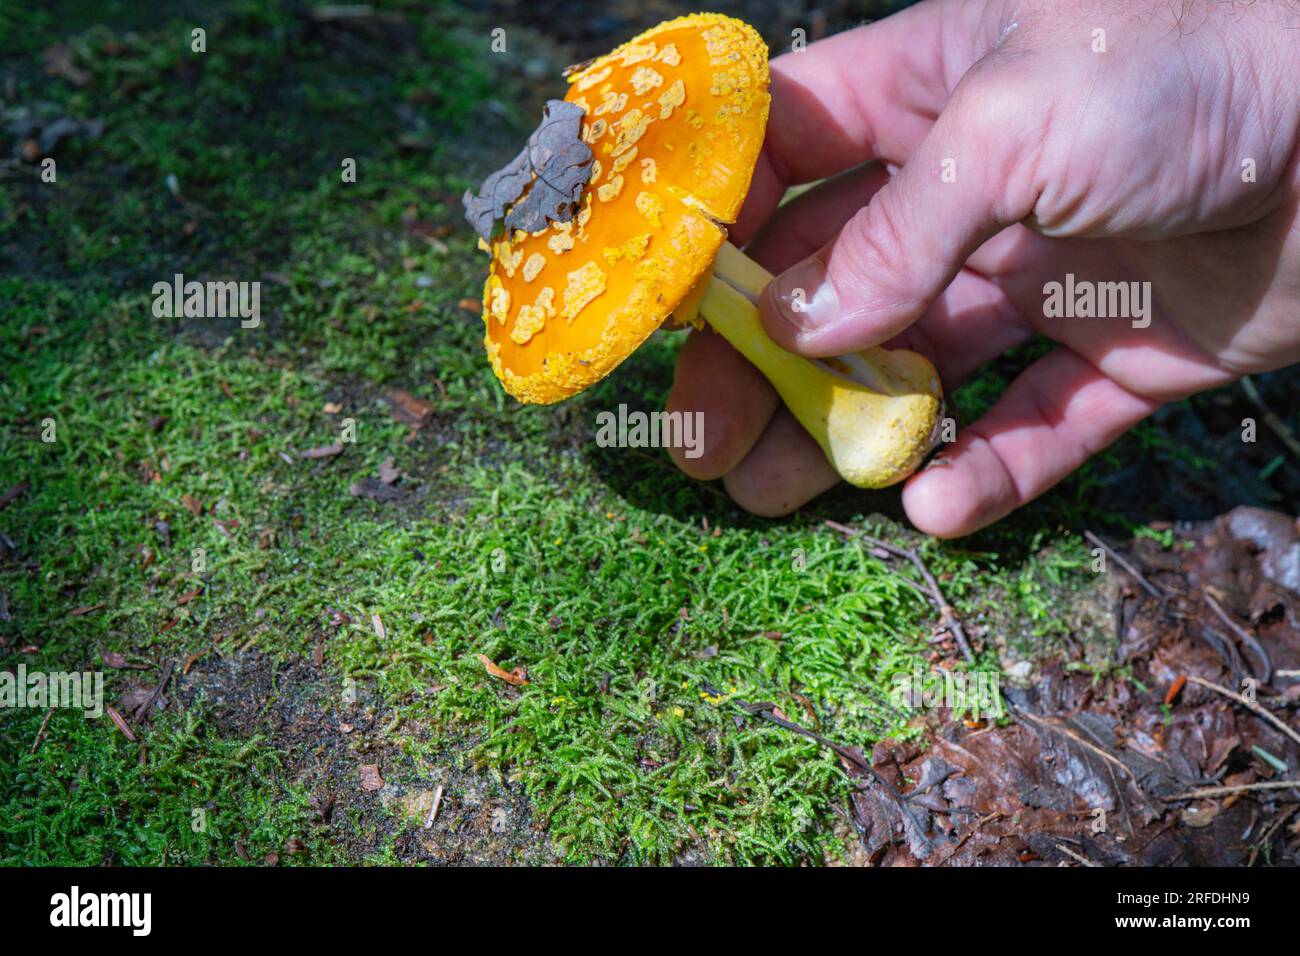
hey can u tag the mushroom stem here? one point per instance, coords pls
(875, 413)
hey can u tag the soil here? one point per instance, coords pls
(332, 738)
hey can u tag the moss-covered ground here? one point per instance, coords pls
(168, 515)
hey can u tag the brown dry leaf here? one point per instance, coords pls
(517, 677)
(86, 609)
(188, 596)
(119, 662)
(378, 624)
(191, 659)
(333, 408)
(193, 504)
(60, 61)
(14, 491)
(408, 409)
(117, 720)
(135, 698)
(430, 232)
(370, 777)
(1199, 814)
(470, 305)
(324, 451)
(375, 490)
(388, 471)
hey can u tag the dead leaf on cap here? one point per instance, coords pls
(561, 163)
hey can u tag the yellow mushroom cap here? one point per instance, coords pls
(675, 119)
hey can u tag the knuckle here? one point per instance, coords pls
(870, 264)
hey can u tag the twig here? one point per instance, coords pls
(1078, 857)
(1206, 792)
(1267, 835)
(1242, 634)
(1248, 704)
(14, 492)
(1278, 426)
(433, 810)
(357, 11)
(1147, 586)
(148, 702)
(40, 734)
(763, 710)
(1226, 650)
(948, 618)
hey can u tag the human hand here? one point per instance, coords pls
(1164, 150)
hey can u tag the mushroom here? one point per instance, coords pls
(674, 120)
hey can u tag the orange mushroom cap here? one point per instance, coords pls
(675, 119)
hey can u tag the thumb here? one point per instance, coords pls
(968, 179)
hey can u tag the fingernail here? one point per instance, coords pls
(804, 296)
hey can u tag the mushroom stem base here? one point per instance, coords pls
(874, 413)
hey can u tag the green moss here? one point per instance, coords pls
(621, 587)
(88, 797)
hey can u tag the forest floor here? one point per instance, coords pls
(179, 511)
